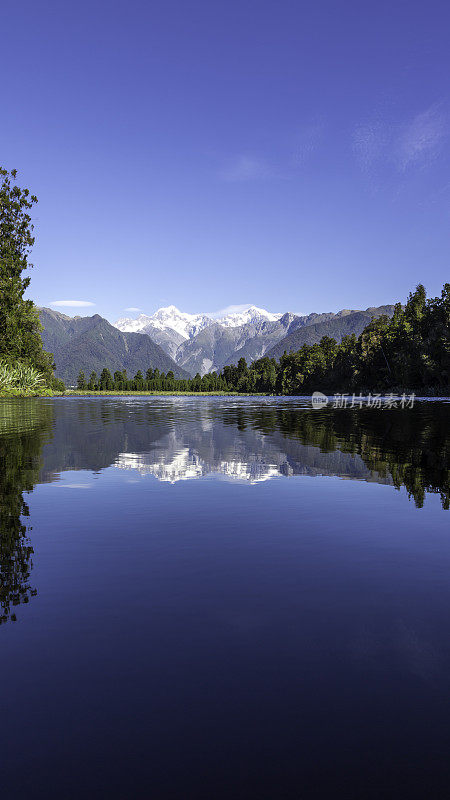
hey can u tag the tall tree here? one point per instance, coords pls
(106, 382)
(119, 381)
(19, 321)
(138, 381)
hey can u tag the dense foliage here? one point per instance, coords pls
(410, 350)
(152, 381)
(20, 339)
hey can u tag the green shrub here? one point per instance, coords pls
(20, 376)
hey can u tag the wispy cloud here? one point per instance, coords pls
(230, 310)
(402, 146)
(237, 309)
(72, 303)
(371, 141)
(133, 309)
(246, 168)
(420, 141)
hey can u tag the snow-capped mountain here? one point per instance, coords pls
(251, 315)
(187, 325)
(166, 319)
(129, 325)
(171, 318)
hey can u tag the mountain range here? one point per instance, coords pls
(201, 343)
(188, 344)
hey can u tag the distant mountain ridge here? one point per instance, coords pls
(91, 343)
(199, 343)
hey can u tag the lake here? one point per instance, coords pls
(224, 598)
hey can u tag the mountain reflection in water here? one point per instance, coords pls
(173, 439)
(254, 440)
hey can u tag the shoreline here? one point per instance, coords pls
(22, 393)
(49, 393)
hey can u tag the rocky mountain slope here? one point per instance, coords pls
(218, 345)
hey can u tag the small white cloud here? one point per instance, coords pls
(72, 303)
(133, 309)
(246, 168)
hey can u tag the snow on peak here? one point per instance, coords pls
(133, 325)
(167, 318)
(188, 325)
(250, 314)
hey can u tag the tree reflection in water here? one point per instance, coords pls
(412, 446)
(24, 426)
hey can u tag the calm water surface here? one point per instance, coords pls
(224, 598)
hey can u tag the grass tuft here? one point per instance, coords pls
(20, 376)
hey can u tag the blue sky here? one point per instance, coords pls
(294, 155)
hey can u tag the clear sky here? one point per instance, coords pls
(294, 155)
